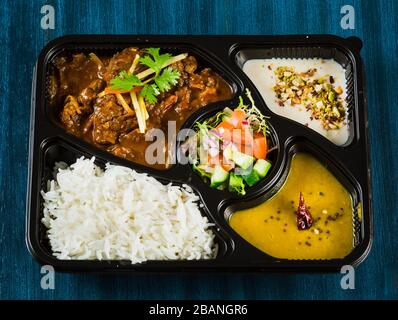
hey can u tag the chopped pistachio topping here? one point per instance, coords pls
(318, 95)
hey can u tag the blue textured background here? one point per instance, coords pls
(21, 41)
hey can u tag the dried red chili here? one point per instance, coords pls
(304, 218)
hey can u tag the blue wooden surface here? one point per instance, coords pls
(21, 41)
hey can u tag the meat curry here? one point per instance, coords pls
(93, 111)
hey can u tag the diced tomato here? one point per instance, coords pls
(260, 146)
(224, 128)
(247, 135)
(236, 118)
(242, 137)
(237, 136)
(226, 125)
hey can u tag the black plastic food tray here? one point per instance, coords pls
(50, 143)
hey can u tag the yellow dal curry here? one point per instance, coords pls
(272, 226)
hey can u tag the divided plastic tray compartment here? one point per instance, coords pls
(49, 143)
(243, 54)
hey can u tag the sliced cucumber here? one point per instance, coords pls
(261, 167)
(242, 160)
(252, 178)
(218, 177)
(202, 172)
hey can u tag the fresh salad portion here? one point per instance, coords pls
(230, 149)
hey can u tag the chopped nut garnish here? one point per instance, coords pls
(318, 95)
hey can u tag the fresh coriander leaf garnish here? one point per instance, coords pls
(149, 93)
(163, 80)
(125, 81)
(157, 60)
(166, 79)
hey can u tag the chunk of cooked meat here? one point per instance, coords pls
(210, 92)
(209, 76)
(123, 149)
(183, 98)
(202, 87)
(186, 68)
(75, 110)
(110, 120)
(87, 96)
(196, 81)
(192, 89)
(121, 61)
(190, 64)
(73, 114)
(157, 111)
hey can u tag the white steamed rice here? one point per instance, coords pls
(124, 215)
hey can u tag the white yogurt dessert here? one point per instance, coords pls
(309, 91)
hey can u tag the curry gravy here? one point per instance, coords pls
(77, 86)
